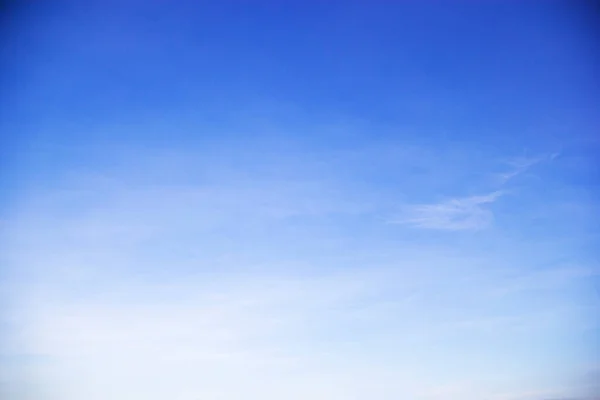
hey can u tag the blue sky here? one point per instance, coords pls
(327, 200)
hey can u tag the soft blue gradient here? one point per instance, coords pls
(325, 200)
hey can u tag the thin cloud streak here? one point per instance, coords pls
(466, 213)
(458, 214)
(520, 165)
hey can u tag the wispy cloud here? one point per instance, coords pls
(466, 213)
(520, 165)
(458, 214)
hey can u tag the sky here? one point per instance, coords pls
(337, 200)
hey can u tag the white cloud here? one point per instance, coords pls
(466, 213)
(520, 165)
(459, 214)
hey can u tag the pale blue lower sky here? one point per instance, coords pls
(290, 277)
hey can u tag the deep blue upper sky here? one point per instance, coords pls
(495, 67)
(495, 75)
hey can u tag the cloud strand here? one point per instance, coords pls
(458, 214)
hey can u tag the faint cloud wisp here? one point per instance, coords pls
(520, 165)
(458, 214)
